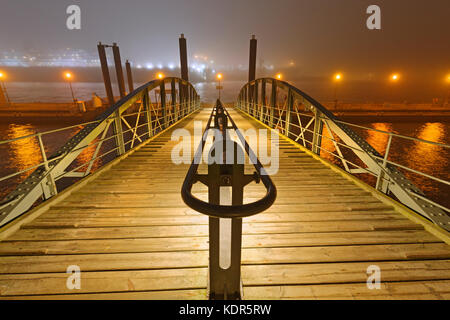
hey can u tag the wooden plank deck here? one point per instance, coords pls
(133, 237)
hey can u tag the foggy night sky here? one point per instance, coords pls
(319, 36)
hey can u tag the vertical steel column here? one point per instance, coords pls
(105, 72)
(183, 58)
(273, 102)
(119, 71)
(317, 134)
(173, 94)
(162, 93)
(263, 100)
(129, 76)
(225, 280)
(289, 105)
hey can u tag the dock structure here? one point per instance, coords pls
(129, 232)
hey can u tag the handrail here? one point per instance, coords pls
(227, 211)
(252, 100)
(41, 181)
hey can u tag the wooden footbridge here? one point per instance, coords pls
(122, 230)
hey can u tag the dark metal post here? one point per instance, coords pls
(105, 72)
(119, 71)
(255, 99)
(129, 76)
(183, 58)
(252, 60)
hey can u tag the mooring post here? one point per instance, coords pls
(129, 76)
(105, 72)
(252, 65)
(119, 71)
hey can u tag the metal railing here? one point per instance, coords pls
(225, 180)
(302, 119)
(144, 112)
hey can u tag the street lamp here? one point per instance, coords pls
(278, 76)
(219, 87)
(3, 87)
(160, 75)
(69, 77)
(337, 78)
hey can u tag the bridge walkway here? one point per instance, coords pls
(132, 236)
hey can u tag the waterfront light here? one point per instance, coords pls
(219, 76)
(447, 78)
(395, 77)
(337, 77)
(279, 76)
(69, 77)
(3, 86)
(160, 75)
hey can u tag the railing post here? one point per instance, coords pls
(263, 100)
(255, 99)
(49, 188)
(317, 134)
(289, 105)
(146, 101)
(173, 96)
(162, 93)
(381, 184)
(273, 102)
(247, 98)
(118, 132)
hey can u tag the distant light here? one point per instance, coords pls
(139, 66)
(160, 66)
(395, 77)
(149, 66)
(68, 75)
(171, 66)
(2, 75)
(338, 77)
(219, 76)
(448, 78)
(160, 75)
(279, 76)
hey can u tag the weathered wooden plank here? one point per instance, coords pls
(399, 291)
(101, 241)
(137, 261)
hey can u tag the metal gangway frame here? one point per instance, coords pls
(174, 99)
(266, 108)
